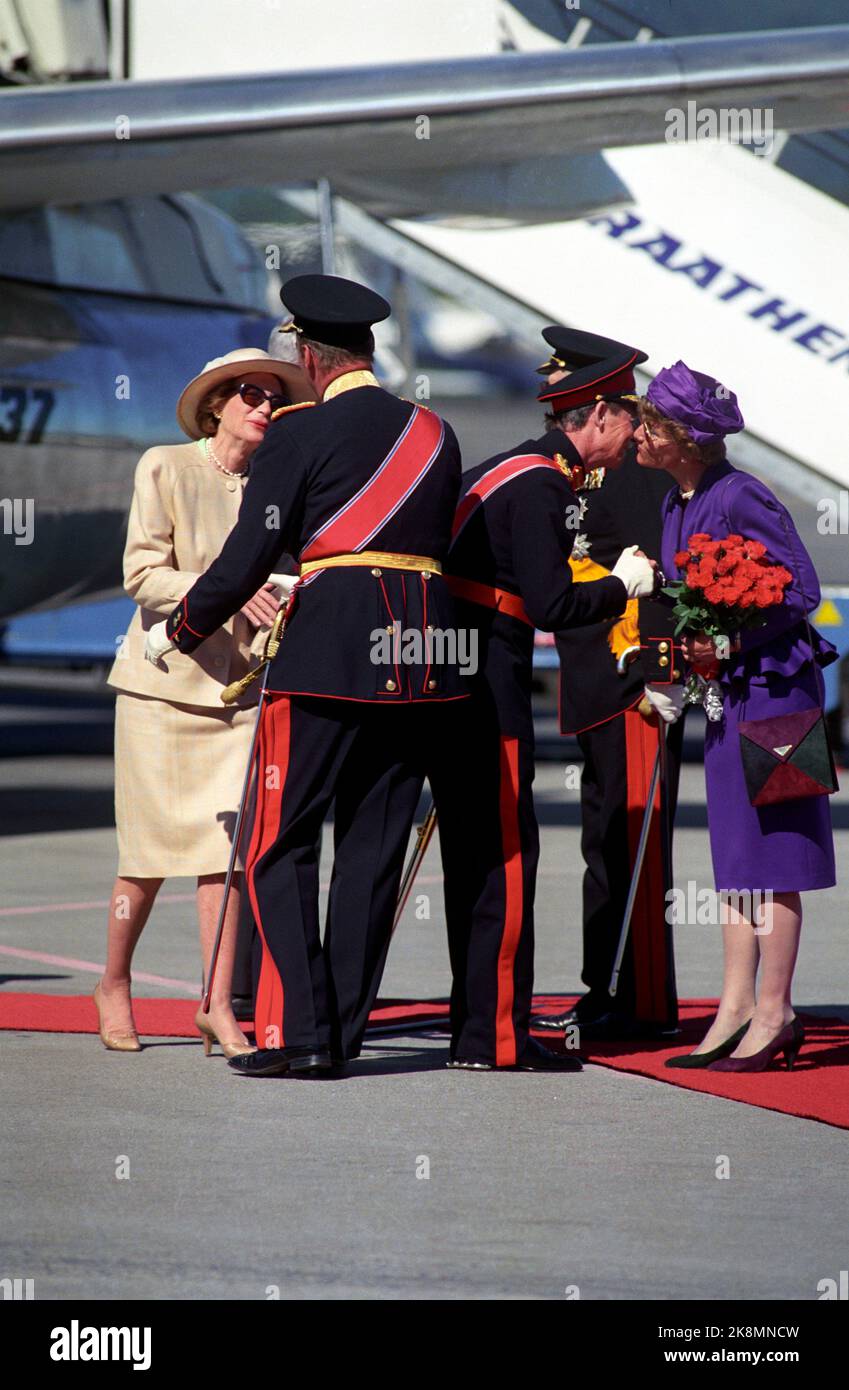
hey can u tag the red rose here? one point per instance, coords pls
(754, 550)
(681, 558)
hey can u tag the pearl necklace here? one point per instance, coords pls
(210, 454)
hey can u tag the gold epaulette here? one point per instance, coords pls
(286, 409)
(578, 477)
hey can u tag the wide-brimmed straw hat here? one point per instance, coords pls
(232, 367)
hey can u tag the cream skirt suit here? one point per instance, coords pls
(180, 754)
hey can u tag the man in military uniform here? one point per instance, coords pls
(508, 570)
(361, 489)
(606, 669)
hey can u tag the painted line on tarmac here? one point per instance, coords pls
(45, 958)
(41, 908)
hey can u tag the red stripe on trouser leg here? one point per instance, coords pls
(273, 753)
(511, 850)
(648, 921)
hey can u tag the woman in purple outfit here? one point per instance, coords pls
(769, 854)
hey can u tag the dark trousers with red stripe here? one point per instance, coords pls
(371, 760)
(618, 760)
(483, 789)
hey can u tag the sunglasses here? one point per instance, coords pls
(255, 395)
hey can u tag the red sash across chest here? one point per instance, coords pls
(494, 479)
(365, 514)
(488, 594)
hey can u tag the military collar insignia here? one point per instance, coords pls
(581, 480)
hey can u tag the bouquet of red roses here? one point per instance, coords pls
(727, 586)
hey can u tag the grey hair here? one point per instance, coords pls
(332, 357)
(570, 421)
(284, 345)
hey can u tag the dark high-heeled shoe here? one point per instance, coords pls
(692, 1060)
(788, 1041)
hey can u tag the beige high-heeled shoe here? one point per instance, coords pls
(210, 1036)
(116, 1042)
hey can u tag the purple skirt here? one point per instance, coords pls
(787, 848)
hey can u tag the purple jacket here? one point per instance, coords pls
(728, 501)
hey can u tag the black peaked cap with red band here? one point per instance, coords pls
(600, 369)
(332, 310)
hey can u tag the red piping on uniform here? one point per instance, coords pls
(641, 745)
(270, 998)
(511, 851)
(409, 678)
(573, 733)
(561, 388)
(423, 583)
(398, 692)
(175, 634)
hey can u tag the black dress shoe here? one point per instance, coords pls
(613, 1026)
(275, 1061)
(538, 1058)
(556, 1023)
(535, 1057)
(585, 1010)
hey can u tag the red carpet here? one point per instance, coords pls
(817, 1088)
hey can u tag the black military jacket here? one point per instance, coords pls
(624, 510)
(312, 463)
(519, 540)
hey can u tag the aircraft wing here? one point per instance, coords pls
(92, 141)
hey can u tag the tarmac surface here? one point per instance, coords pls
(242, 1189)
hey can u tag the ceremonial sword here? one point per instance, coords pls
(229, 696)
(424, 835)
(658, 776)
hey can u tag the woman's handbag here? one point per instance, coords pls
(789, 756)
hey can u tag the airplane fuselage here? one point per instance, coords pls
(88, 381)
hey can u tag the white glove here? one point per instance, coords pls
(157, 643)
(667, 701)
(636, 573)
(284, 583)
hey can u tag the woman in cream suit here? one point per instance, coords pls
(180, 755)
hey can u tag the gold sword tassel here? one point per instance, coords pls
(231, 693)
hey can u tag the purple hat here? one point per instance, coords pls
(706, 408)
